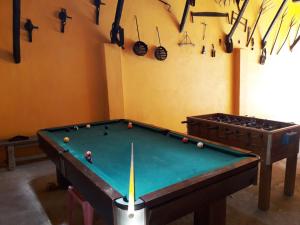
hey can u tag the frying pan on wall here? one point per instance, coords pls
(160, 52)
(139, 47)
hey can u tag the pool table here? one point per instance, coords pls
(172, 177)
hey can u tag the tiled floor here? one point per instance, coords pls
(25, 199)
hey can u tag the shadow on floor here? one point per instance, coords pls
(54, 201)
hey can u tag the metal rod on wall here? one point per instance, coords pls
(16, 30)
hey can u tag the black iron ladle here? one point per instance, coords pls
(139, 48)
(160, 52)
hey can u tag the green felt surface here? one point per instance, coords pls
(160, 160)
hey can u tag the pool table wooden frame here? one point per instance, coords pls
(205, 194)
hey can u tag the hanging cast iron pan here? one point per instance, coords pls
(160, 52)
(139, 47)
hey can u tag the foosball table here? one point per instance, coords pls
(271, 140)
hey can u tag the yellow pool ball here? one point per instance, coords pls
(66, 139)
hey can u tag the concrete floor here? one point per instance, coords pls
(25, 199)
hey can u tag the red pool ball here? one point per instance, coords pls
(88, 154)
(129, 125)
(185, 140)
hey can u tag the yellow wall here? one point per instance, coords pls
(189, 83)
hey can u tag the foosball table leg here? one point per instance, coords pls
(290, 175)
(264, 186)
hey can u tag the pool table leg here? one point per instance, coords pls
(61, 180)
(212, 214)
(290, 175)
(264, 186)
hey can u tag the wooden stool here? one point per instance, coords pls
(87, 209)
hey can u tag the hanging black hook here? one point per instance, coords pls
(63, 16)
(30, 27)
(97, 4)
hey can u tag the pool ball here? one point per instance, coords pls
(88, 126)
(106, 127)
(185, 140)
(129, 125)
(105, 133)
(88, 156)
(66, 139)
(200, 144)
(76, 128)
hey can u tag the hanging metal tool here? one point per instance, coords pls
(228, 39)
(294, 43)
(204, 30)
(265, 5)
(297, 32)
(209, 14)
(213, 51)
(292, 23)
(263, 56)
(139, 48)
(160, 52)
(16, 30)
(243, 21)
(166, 4)
(264, 40)
(252, 43)
(63, 16)
(97, 4)
(203, 50)
(278, 31)
(117, 32)
(188, 3)
(296, 40)
(186, 40)
(30, 27)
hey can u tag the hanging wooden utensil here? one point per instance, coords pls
(139, 48)
(160, 52)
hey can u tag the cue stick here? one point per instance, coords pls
(131, 186)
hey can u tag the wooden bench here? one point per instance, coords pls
(11, 145)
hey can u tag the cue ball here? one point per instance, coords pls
(88, 126)
(66, 139)
(200, 145)
(129, 125)
(185, 140)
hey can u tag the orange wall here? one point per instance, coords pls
(60, 79)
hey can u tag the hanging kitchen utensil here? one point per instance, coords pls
(139, 47)
(186, 40)
(160, 52)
